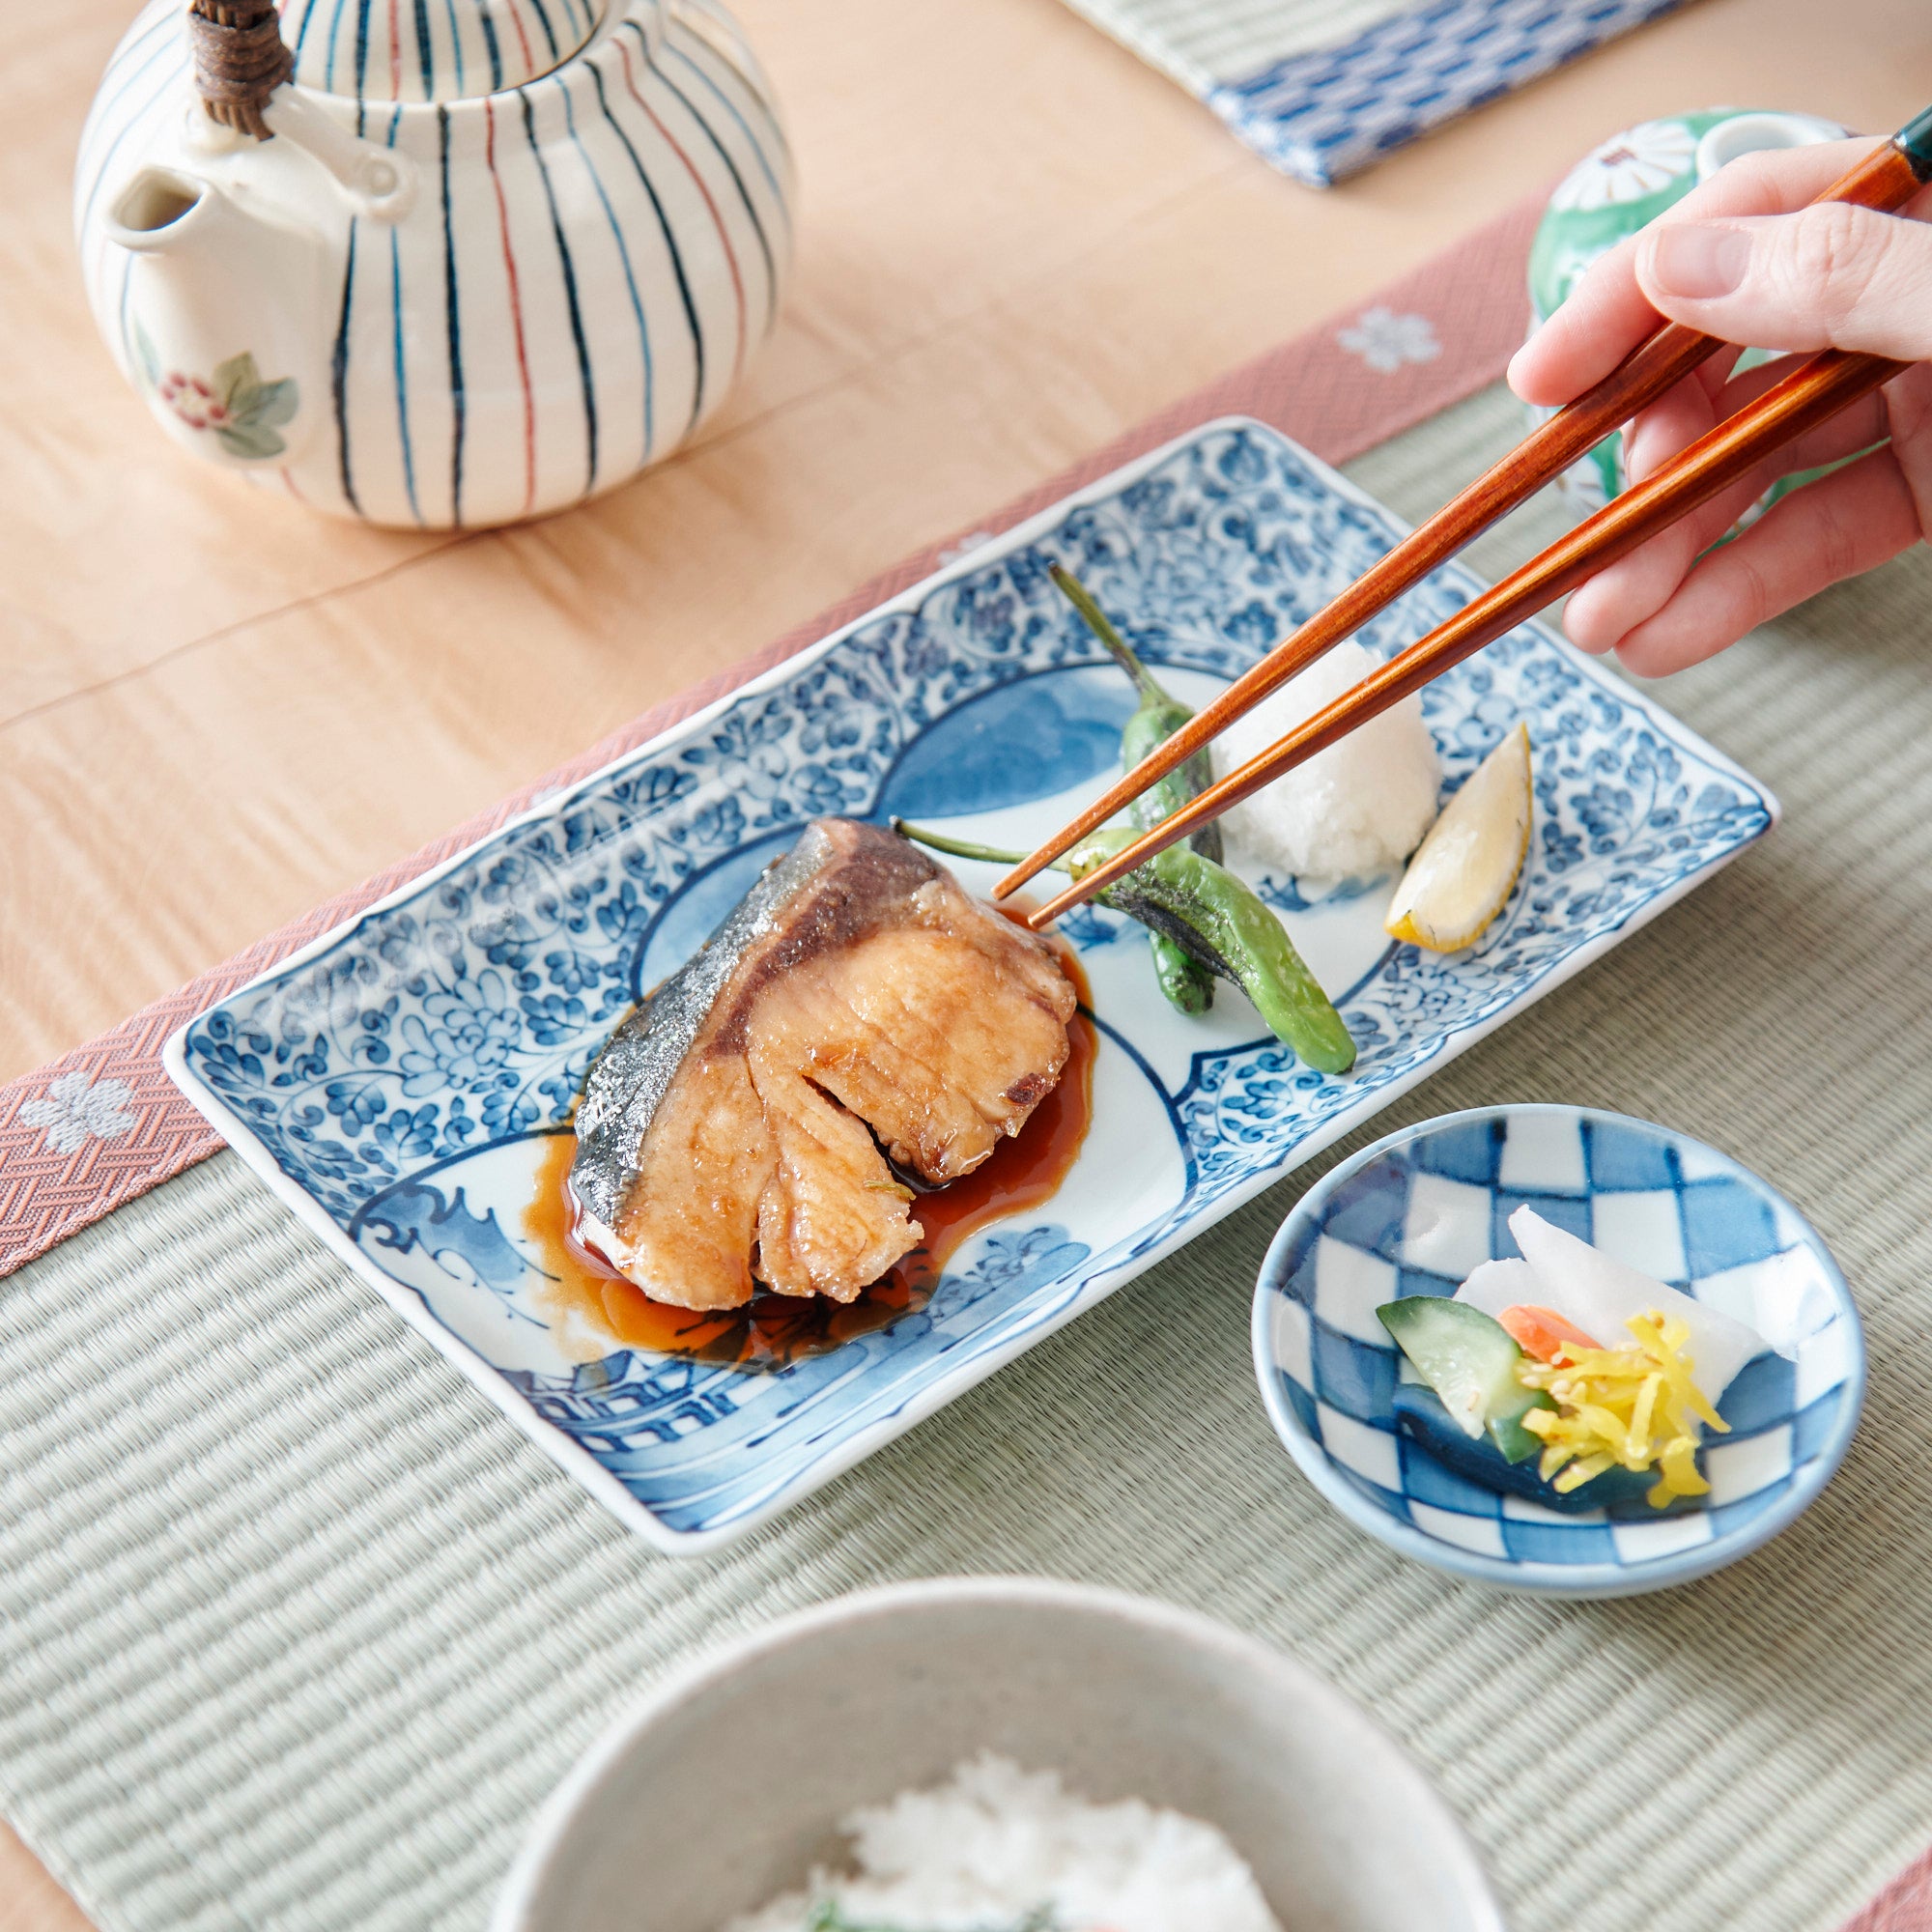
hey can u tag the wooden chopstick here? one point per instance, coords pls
(1802, 400)
(1885, 179)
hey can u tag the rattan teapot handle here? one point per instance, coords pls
(240, 60)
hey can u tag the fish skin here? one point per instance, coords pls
(761, 1143)
(630, 1078)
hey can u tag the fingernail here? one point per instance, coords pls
(1699, 260)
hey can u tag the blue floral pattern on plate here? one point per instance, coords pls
(396, 1080)
(1416, 1213)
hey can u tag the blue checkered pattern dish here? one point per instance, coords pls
(1656, 1200)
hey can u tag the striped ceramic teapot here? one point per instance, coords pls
(444, 263)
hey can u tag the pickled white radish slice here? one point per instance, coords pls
(1504, 1284)
(1600, 1295)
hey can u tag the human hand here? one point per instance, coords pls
(1743, 258)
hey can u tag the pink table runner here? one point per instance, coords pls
(103, 1123)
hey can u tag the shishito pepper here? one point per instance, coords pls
(1221, 922)
(1215, 919)
(1188, 984)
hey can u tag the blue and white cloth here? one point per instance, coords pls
(1322, 89)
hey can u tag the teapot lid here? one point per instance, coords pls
(431, 49)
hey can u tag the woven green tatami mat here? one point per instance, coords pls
(295, 1630)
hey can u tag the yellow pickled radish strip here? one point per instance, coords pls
(1641, 1414)
(1629, 1408)
(1609, 1425)
(1680, 1468)
(1579, 1473)
(1665, 1340)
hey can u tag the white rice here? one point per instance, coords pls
(1355, 811)
(998, 1849)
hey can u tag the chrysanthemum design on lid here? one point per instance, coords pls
(454, 263)
(1621, 186)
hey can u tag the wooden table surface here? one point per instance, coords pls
(1014, 242)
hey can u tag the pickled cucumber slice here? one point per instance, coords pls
(1470, 1360)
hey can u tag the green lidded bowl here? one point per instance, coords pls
(1620, 186)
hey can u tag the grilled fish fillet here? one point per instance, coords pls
(727, 1133)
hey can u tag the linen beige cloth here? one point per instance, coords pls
(300, 1630)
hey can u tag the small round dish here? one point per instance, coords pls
(1441, 1194)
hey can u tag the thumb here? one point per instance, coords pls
(1831, 276)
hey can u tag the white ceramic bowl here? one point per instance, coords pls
(724, 1788)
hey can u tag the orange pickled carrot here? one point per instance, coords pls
(1541, 1332)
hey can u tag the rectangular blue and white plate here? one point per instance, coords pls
(398, 1081)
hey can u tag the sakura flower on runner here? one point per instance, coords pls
(1385, 340)
(77, 1108)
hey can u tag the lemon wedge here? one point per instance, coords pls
(1464, 870)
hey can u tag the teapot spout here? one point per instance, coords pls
(153, 209)
(224, 316)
